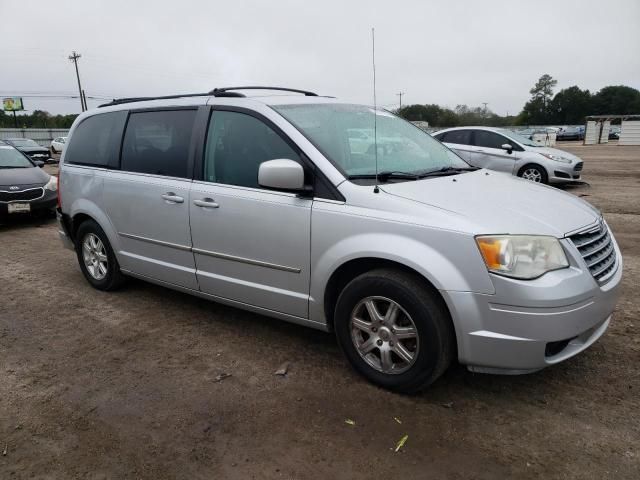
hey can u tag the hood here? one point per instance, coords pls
(33, 149)
(555, 151)
(495, 202)
(18, 177)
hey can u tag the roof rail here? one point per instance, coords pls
(216, 92)
(118, 101)
(228, 91)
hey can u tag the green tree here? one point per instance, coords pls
(616, 100)
(537, 109)
(570, 106)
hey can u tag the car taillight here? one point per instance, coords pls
(59, 202)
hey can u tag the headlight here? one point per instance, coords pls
(522, 256)
(557, 158)
(52, 184)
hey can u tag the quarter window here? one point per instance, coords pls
(158, 143)
(484, 138)
(96, 141)
(237, 144)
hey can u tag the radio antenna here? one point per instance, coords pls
(375, 107)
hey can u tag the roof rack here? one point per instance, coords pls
(228, 91)
(216, 92)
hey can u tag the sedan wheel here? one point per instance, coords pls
(532, 174)
(384, 335)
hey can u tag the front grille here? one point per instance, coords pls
(21, 196)
(578, 167)
(596, 247)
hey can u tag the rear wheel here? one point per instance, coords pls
(96, 258)
(394, 330)
(533, 173)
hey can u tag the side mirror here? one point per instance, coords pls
(281, 174)
(507, 147)
(39, 163)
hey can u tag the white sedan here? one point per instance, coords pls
(57, 144)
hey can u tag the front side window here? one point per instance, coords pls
(348, 136)
(11, 158)
(458, 137)
(237, 144)
(96, 141)
(158, 143)
(486, 139)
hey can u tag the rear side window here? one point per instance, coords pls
(459, 137)
(96, 141)
(483, 138)
(158, 143)
(237, 144)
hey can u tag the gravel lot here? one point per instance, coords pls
(122, 385)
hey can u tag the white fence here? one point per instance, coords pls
(42, 136)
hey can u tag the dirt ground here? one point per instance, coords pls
(122, 385)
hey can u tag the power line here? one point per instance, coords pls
(74, 58)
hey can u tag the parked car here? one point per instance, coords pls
(30, 148)
(411, 256)
(506, 151)
(570, 133)
(614, 132)
(57, 144)
(24, 187)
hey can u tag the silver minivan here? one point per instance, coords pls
(340, 217)
(507, 151)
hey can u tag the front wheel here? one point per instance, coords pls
(394, 330)
(534, 173)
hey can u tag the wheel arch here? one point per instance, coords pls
(83, 210)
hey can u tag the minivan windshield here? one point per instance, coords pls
(11, 158)
(344, 133)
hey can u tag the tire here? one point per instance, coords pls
(417, 307)
(527, 172)
(103, 275)
(53, 151)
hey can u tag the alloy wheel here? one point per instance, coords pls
(532, 174)
(95, 256)
(384, 335)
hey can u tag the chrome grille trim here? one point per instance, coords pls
(19, 195)
(595, 245)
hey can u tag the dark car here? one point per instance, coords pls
(571, 133)
(31, 148)
(614, 132)
(24, 187)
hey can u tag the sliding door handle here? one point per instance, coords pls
(206, 203)
(172, 197)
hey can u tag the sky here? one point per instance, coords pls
(444, 52)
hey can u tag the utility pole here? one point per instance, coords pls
(399, 94)
(74, 58)
(485, 107)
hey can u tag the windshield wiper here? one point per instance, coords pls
(386, 175)
(447, 171)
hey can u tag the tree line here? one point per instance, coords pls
(37, 119)
(569, 106)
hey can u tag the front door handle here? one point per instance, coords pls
(206, 203)
(172, 197)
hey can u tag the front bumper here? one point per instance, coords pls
(564, 173)
(528, 325)
(46, 202)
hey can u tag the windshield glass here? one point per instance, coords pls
(24, 142)
(518, 138)
(11, 158)
(344, 133)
